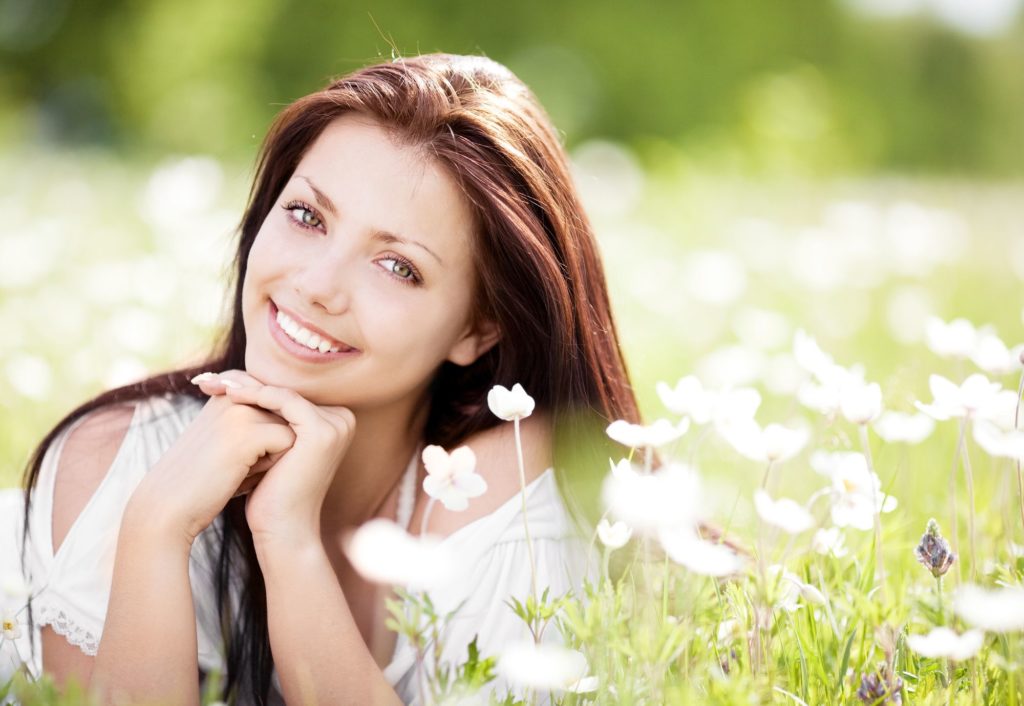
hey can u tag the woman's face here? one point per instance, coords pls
(370, 244)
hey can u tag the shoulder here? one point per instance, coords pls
(497, 463)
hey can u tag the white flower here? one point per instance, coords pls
(667, 497)
(785, 513)
(452, 478)
(728, 630)
(785, 587)
(830, 541)
(897, 427)
(510, 404)
(957, 339)
(684, 547)
(808, 592)
(689, 398)
(860, 403)
(14, 588)
(1003, 411)
(999, 610)
(769, 445)
(584, 685)
(613, 536)
(943, 642)
(11, 628)
(542, 667)
(991, 355)
(996, 442)
(809, 355)
(855, 490)
(972, 398)
(638, 436)
(383, 552)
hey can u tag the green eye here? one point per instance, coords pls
(402, 270)
(309, 219)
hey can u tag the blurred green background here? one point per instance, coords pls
(846, 167)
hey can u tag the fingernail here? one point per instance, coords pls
(229, 383)
(202, 377)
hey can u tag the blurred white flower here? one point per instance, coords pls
(855, 491)
(613, 536)
(584, 685)
(787, 514)
(809, 355)
(771, 444)
(999, 610)
(971, 398)
(510, 404)
(860, 403)
(957, 339)
(761, 328)
(830, 541)
(896, 427)
(542, 667)
(731, 366)
(383, 552)
(944, 643)
(807, 591)
(728, 630)
(689, 398)
(996, 442)
(653, 435)
(991, 355)
(784, 586)
(715, 277)
(668, 497)
(452, 478)
(687, 549)
(11, 628)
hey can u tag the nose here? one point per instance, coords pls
(321, 283)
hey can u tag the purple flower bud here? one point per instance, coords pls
(881, 687)
(933, 551)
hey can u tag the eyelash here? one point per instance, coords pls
(414, 280)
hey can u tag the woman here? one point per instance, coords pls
(412, 238)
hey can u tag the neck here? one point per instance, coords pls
(384, 441)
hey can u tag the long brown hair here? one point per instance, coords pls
(540, 279)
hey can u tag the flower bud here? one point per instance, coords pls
(933, 551)
(880, 687)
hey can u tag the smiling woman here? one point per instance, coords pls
(413, 238)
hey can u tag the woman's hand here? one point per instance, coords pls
(223, 450)
(286, 503)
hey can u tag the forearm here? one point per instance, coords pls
(148, 650)
(319, 654)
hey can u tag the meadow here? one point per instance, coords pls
(798, 336)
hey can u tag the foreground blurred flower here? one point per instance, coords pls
(651, 436)
(668, 497)
(957, 339)
(613, 536)
(787, 514)
(772, 444)
(809, 355)
(789, 589)
(11, 628)
(943, 642)
(999, 610)
(684, 547)
(452, 478)
(510, 404)
(830, 541)
(855, 491)
(880, 687)
(971, 398)
(897, 427)
(860, 403)
(543, 667)
(933, 551)
(383, 552)
(997, 442)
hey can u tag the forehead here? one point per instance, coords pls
(376, 182)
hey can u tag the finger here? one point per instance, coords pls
(248, 485)
(242, 377)
(288, 404)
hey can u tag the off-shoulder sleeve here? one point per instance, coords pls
(495, 561)
(71, 588)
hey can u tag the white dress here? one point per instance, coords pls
(71, 590)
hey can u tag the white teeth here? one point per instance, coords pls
(304, 336)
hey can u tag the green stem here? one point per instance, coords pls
(969, 476)
(879, 559)
(526, 525)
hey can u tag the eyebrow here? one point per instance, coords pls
(382, 235)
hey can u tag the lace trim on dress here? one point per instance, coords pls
(64, 625)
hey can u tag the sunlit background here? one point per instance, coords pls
(848, 168)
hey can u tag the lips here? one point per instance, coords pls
(306, 325)
(300, 351)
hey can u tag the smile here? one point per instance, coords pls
(303, 342)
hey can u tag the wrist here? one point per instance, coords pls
(142, 522)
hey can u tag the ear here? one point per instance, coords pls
(474, 342)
